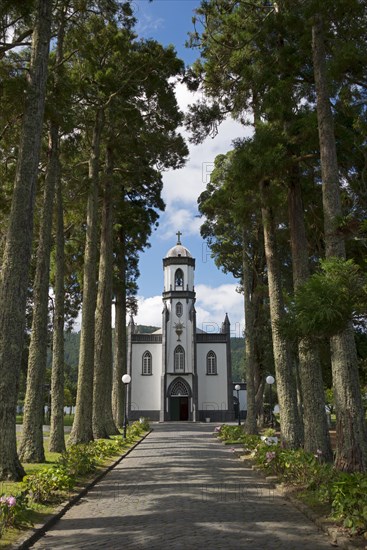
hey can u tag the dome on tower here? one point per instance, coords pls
(178, 251)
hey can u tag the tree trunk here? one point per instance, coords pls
(31, 446)
(103, 424)
(57, 437)
(82, 431)
(291, 429)
(17, 254)
(316, 432)
(120, 355)
(351, 430)
(248, 286)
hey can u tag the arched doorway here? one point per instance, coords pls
(179, 395)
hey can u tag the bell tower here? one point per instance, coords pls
(179, 331)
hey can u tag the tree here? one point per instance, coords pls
(258, 56)
(82, 427)
(136, 98)
(103, 424)
(238, 248)
(351, 427)
(16, 259)
(57, 437)
(31, 446)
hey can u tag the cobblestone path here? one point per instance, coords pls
(182, 489)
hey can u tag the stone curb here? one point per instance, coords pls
(38, 531)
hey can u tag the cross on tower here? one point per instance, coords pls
(178, 237)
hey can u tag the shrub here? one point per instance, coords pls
(231, 433)
(14, 512)
(294, 466)
(104, 448)
(43, 486)
(79, 460)
(348, 500)
(134, 430)
(144, 424)
(76, 462)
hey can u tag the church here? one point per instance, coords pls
(180, 372)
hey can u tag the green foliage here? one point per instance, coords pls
(330, 299)
(238, 359)
(344, 492)
(330, 399)
(348, 497)
(236, 434)
(233, 433)
(103, 448)
(144, 424)
(44, 485)
(269, 432)
(79, 460)
(75, 463)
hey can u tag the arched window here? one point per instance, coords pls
(179, 309)
(211, 363)
(179, 279)
(147, 363)
(179, 359)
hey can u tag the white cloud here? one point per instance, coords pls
(211, 306)
(183, 187)
(182, 217)
(149, 311)
(214, 302)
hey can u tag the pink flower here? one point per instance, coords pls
(11, 501)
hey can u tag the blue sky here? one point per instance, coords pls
(169, 22)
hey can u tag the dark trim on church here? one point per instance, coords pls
(215, 338)
(146, 338)
(179, 260)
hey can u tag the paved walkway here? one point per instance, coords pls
(182, 489)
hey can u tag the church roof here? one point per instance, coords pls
(178, 251)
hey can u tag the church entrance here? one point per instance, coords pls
(179, 394)
(179, 408)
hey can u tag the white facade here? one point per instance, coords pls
(180, 372)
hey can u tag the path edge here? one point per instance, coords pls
(39, 530)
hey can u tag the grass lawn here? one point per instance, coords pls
(68, 419)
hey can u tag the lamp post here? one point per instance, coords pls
(126, 379)
(270, 380)
(237, 388)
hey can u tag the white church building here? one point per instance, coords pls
(179, 372)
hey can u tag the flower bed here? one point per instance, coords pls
(342, 495)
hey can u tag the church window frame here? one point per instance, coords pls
(211, 363)
(179, 359)
(147, 364)
(179, 309)
(179, 279)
